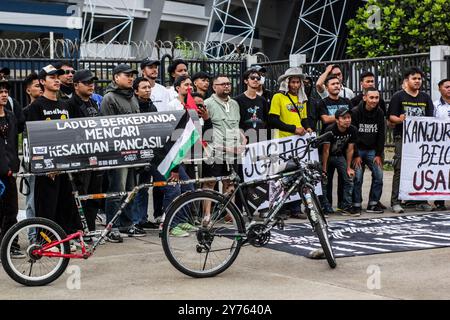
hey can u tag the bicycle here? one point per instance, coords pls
(214, 244)
(46, 244)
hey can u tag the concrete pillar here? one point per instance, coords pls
(296, 60)
(251, 60)
(438, 68)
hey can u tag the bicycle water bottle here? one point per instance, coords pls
(308, 200)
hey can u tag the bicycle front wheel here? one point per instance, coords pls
(320, 227)
(200, 237)
(19, 257)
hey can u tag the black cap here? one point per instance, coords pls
(149, 62)
(125, 68)
(49, 70)
(200, 75)
(5, 83)
(259, 68)
(342, 111)
(5, 70)
(84, 75)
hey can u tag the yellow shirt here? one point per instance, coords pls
(282, 106)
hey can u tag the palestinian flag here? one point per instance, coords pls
(176, 151)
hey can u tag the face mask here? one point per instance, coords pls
(263, 79)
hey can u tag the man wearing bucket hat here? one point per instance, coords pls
(288, 114)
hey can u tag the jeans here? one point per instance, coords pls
(376, 188)
(397, 165)
(140, 206)
(338, 163)
(30, 212)
(119, 180)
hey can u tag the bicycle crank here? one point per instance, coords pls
(257, 235)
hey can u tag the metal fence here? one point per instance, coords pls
(20, 68)
(448, 66)
(388, 72)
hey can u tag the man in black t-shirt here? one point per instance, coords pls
(409, 102)
(327, 107)
(53, 193)
(254, 109)
(337, 155)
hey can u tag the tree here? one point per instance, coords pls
(390, 27)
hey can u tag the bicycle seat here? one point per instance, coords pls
(290, 166)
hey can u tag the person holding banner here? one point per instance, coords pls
(84, 106)
(119, 99)
(288, 115)
(9, 164)
(368, 118)
(442, 111)
(53, 193)
(408, 102)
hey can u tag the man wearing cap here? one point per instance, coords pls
(119, 99)
(84, 106)
(9, 164)
(200, 80)
(53, 193)
(288, 115)
(262, 91)
(159, 94)
(337, 155)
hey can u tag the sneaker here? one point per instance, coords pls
(187, 227)
(374, 209)
(178, 232)
(148, 225)
(440, 207)
(350, 211)
(17, 254)
(382, 206)
(133, 231)
(397, 208)
(74, 246)
(423, 207)
(327, 212)
(206, 220)
(298, 215)
(114, 237)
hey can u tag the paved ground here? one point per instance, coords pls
(138, 269)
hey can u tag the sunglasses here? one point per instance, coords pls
(69, 71)
(255, 78)
(87, 83)
(228, 84)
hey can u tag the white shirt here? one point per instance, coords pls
(160, 97)
(441, 108)
(172, 93)
(344, 93)
(174, 105)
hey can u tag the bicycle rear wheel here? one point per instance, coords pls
(24, 238)
(320, 227)
(210, 242)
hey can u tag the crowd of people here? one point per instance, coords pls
(358, 124)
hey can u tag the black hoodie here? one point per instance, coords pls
(371, 128)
